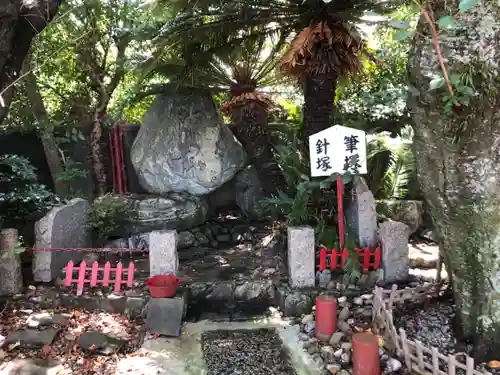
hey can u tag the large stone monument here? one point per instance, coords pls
(393, 237)
(63, 227)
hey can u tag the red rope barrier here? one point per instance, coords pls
(91, 250)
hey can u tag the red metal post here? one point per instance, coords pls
(111, 151)
(122, 161)
(365, 354)
(93, 274)
(130, 277)
(377, 258)
(340, 209)
(69, 273)
(322, 259)
(118, 277)
(326, 317)
(117, 161)
(106, 274)
(81, 277)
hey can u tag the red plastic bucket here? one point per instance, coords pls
(365, 354)
(163, 286)
(326, 317)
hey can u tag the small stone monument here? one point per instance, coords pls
(163, 257)
(393, 236)
(362, 213)
(64, 227)
(11, 277)
(301, 251)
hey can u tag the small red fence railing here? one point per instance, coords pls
(95, 270)
(334, 259)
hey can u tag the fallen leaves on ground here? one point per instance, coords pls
(64, 350)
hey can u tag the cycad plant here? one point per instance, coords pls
(239, 73)
(325, 44)
(392, 169)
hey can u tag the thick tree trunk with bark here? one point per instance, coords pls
(253, 135)
(46, 134)
(319, 99)
(458, 162)
(20, 21)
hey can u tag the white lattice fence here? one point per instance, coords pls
(416, 356)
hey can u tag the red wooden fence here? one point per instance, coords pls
(94, 274)
(335, 259)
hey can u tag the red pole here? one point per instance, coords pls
(326, 317)
(122, 158)
(111, 150)
(340, 206)
(117, 156)
(365, 354)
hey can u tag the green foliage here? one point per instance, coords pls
(108, 213)
(457, 87)
(376, 100)
(17, 249)
(392, 169)
(20, 193)
(307, 201)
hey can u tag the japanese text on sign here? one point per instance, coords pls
(336, 150)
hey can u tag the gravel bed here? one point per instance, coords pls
(256, 352)
(431, 323)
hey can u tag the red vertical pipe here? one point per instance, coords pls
(326, 317)
(340, 209)
(122, 158)
(117, 156)
(112, 160)
(365, 354)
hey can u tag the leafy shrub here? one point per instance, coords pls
(20, 193)
(307, 201)
(108, 214)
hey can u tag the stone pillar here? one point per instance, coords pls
(301, 251)
(362, 213)
(11, 277)
(163, 257)
(393, 237)
(64, 227)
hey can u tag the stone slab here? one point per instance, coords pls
(165, 316)
(393, 237)
(63, 227)
(45, 319)
(362, 213)
(301, 257)
(32, 338)
(11, 277)
(99, 343)
(163, 256)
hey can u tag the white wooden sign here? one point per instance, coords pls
(336, 150)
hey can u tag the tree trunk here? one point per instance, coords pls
(252, 132)
(21, 21)
(97, 157)
(319, 98)
(458, 164)
(46, 133)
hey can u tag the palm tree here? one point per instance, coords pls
(325, 44)
(239, 73)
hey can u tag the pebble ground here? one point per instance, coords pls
(245, 352)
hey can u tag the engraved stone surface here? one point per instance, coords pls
(301, 257)
(163, 256)
(169, 211)
(183, 146)
(63, 227)
(362, 213)
(393, 236)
